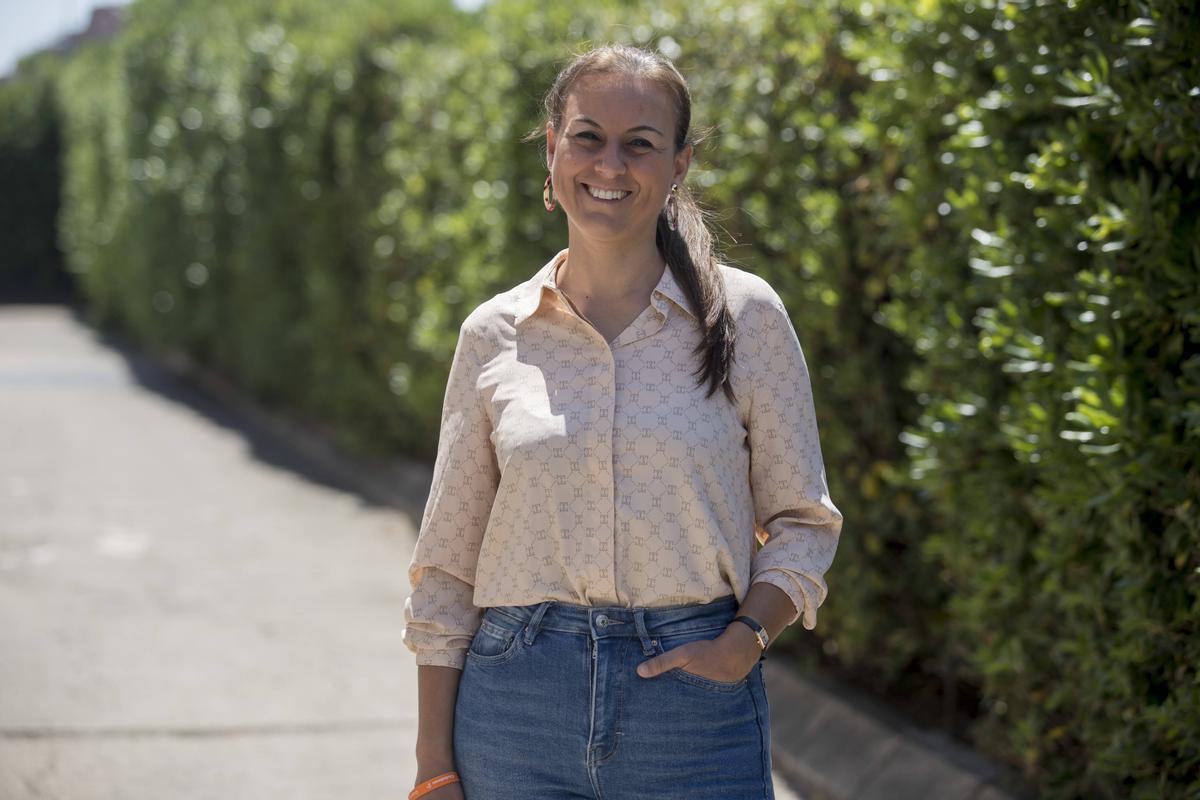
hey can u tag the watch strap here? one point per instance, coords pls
(760, 632)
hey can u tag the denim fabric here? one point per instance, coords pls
(550, 708)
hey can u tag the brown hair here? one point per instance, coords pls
(689, 250)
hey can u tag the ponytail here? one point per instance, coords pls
(689, 253)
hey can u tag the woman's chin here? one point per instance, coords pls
(606, 229)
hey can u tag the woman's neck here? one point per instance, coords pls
(610, 274)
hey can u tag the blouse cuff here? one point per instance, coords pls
(804, 596)
(439, 623)
(442, 658)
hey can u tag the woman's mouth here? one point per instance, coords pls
(605, 195)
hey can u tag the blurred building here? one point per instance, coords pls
(105, 23)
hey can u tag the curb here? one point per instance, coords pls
(835, 743)
(829, 740)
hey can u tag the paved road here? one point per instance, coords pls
(188, 609)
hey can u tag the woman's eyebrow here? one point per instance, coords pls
(593, 122)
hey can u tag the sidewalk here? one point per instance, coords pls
(196, 601)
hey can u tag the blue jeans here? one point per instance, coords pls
(550, 708)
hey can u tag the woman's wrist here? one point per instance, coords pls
(433, 783)
(743, 639)
(434, 762)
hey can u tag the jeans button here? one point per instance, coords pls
(602, 620)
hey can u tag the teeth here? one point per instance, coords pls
(601, 194)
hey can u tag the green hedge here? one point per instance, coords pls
(990, 257)
(1051, 288)
(225, 193)
(31, 264)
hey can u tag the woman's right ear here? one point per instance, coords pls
(550, 145)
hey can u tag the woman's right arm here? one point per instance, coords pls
(440, 614)
(437, 691)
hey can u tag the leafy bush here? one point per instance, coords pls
(32, 266)
(1051, 290)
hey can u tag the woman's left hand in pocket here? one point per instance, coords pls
(729, 657)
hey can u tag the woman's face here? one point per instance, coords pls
(618, 133)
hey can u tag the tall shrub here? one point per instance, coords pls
(1052, 290)
(31, 264)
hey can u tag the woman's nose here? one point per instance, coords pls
(611, 162)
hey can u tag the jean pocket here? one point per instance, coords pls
(494, 643)
(663, 643)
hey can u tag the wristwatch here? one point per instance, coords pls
(759, 631)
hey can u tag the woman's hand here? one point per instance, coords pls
(729, 657)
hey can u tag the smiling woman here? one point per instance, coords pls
(589, 611)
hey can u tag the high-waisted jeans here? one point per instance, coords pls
(550, 707)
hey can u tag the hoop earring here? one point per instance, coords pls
(672, 209)
(548, 195)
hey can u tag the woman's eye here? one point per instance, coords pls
(639, 142)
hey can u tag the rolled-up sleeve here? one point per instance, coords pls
(440, 616)
(798, 523)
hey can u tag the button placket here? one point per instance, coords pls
(611, 488)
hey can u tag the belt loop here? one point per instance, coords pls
(535, 622)
(639, 618)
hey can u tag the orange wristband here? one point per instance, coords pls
(436, 782)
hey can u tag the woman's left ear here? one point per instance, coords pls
(683, 162)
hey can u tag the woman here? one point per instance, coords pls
(589, 612)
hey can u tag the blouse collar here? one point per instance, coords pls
(531, 293)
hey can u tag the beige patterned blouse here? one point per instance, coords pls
(597, 473)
